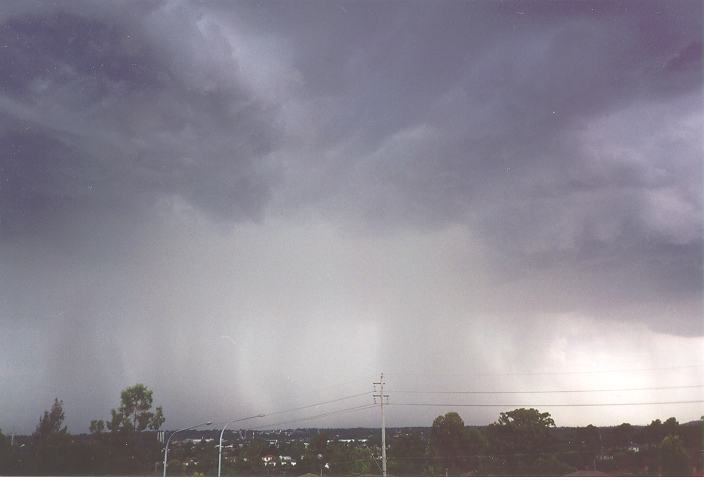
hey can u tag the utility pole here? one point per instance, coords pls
(382, 400)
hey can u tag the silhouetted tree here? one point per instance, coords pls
(525, 429)
(475, 443)
(407, 454)
(447, 439)
(674, 458)
(525, 437)
(52, 445)
(7, 457)
(134, 413)
(128, 448)
(670, 426)
(97, 427)
(623, 434)
(654, 432)
(52, 421)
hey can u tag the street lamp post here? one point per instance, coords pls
(166, 448)
(223, 433)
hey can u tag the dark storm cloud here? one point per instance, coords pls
(454, 102)
(93, 109)
(432, 108)
(565, 133)
(481, 166)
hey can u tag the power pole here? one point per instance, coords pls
(382, 400)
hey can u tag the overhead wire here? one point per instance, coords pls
(318, 404)
(574, 372)
(592, 390)
(303, 407)
(484, 392)
(543, 405)
(315, 417)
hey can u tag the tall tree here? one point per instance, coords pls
(525, 434)
(526, 419)
(134, 413)
(526, 428)
(97, 427)
(447, 439)
(52, 445)
(128, 448)
(52, 421)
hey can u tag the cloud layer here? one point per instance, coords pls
(342, 187)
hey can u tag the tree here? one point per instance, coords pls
(475, 441)
(591, 437)
(134, 413)
(128, 448)
(319, 443)
(524, 419)
(52, 421)
(97, 427)
(674, 458)
(52, 445)
(407, 454)
(654, 432)
(670, 426)
(250, 455)
(447, 438)
(525, 435)
(623, 434)
(7, 460)
(319, 449)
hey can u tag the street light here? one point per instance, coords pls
(166, 448)
(223, 432)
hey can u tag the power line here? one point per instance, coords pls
(314, 417)
(543, 404)
(489, 392)
(358, 379)
(575, 372)
(312, 405)
(318, 404)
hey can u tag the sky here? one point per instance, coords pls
(254, 206)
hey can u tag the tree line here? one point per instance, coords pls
(124, 445)
(520, 442)
(527, 442)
